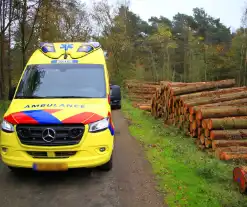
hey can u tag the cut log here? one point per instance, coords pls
(234, 134)
(240, 177)
(208, 143)
(220, 98)
(231, 149)
(202, 138)
(203, 87)
(214, 93)
(228, 123)
(205, 123)
(219, 151)
(138, 83)
(228, 143)
(233, 155)
(143, 85)
(145, 107)
(142, 91)
(236, 102)
(220, 112)
(133, 95)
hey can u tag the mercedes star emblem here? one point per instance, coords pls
(49, 135)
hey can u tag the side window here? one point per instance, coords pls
(24, 77)
(108, 79)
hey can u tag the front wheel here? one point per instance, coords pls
(107, 166)
(16, 170)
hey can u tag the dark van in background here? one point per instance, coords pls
(115, 94)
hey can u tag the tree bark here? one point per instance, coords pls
(228, 143)
(228, 123)
(220, 98)
(203, 87)
(214, 93)
(236, 102)
(220, 112)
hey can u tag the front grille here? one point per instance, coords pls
(38, 154)
(64, 154)
(59, 154)
(66, 134)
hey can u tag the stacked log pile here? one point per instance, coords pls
(213, 112)
(140, 93)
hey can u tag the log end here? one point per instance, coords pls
(239, 176)
(191, 110)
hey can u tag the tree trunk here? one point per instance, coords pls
(23, 33)
(236, 102)
(220, 112)
(228, 143)
(219, 98)
(219, 151)
(203, 87)
(233, 134)
(9, 49)
(1, 64)
(214, 93)
(228, 123)
(233, 155)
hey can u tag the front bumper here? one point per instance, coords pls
(88, 153)
(115, 102)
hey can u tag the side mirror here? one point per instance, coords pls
(12, 92)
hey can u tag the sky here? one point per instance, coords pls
(229, 11)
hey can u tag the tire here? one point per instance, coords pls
(107, 166)
(119, 106)
(16, 170)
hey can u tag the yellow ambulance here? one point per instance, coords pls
(60, 114)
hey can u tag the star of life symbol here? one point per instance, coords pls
(66, 46)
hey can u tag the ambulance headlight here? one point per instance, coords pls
(7, 127)
(99, 125)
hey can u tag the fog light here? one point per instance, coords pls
(102, 149)
(4, 149)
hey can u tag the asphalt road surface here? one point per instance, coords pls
(129, 184)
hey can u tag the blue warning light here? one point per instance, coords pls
(85, 48)
(47, 47)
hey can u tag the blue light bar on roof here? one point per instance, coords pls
(85, 48)
(47, 47)
(95, 44)
(43, 43)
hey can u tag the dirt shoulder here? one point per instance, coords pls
(133, 172)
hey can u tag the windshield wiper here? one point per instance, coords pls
(33, 97)
(69, 97)
(29, 97)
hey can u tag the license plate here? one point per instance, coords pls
(50, 167)
(64, 61)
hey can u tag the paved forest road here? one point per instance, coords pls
(129, 184)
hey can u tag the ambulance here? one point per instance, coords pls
(60, 114)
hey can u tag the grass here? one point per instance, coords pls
(186, 176)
